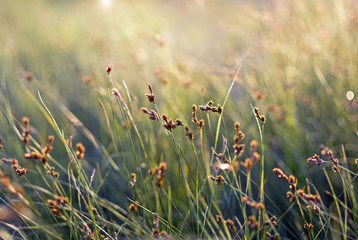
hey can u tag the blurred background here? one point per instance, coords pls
(298, 64)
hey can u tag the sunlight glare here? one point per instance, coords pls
(224, 166)
(106, 3)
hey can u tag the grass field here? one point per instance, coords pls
(178, 119)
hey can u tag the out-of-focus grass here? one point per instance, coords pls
(300, 56)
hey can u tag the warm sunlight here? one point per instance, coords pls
(179, 119)
(106, 3)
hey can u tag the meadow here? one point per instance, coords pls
(175, 119)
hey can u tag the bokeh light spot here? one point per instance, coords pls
(341, 122)
(350, 95)
(106, 3)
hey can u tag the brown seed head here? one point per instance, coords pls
(201, 123)
(21, 171)
(239, 149)
(165, 117)
(335, 169)
(253, 146)
(308, 225)
(151, 96)
(26, 122)
(153, 115)
(291, 179)
(300, 192)
(26, 133)
(263, 119)
(36, 155)
(291, 195)
(219, 179)
(188, 133)
(178, 122)
(272, 221)
(160, 181)
(132, 208)
(231, 225)
(62, 200)
(245, 200)
(272, 236)
(51, 138)
(155, 233)
(330, 154)
(315, 158)
(48, 148)
(109, 69)
(144, 110)
(80, 153)
(252, 222)
(235, 166)
(280, 173)
(335, 166)
(255, 157)
(52, 203)
(155, 220)
(260, 206)
(248, 164)
(56, 211)
(163, 166)
(237, 126)
(150, 88)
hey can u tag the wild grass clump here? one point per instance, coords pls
(251, 135)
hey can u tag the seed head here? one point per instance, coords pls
(153, 115)
(26, 133)
(36, 155)
(80, 153)
(231, 225)
(21, 171)
(132, 208)
(239, 149)
(189, 134)
(201, 123)
(315, 158)
(262, 118)
(272, 236)
(109, 69)
(291, 195)
(248, 164)
(62, 200)
(280, 173)
(253, 146)
(308, 225)
(151, 96)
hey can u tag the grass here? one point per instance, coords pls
(205, 123)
